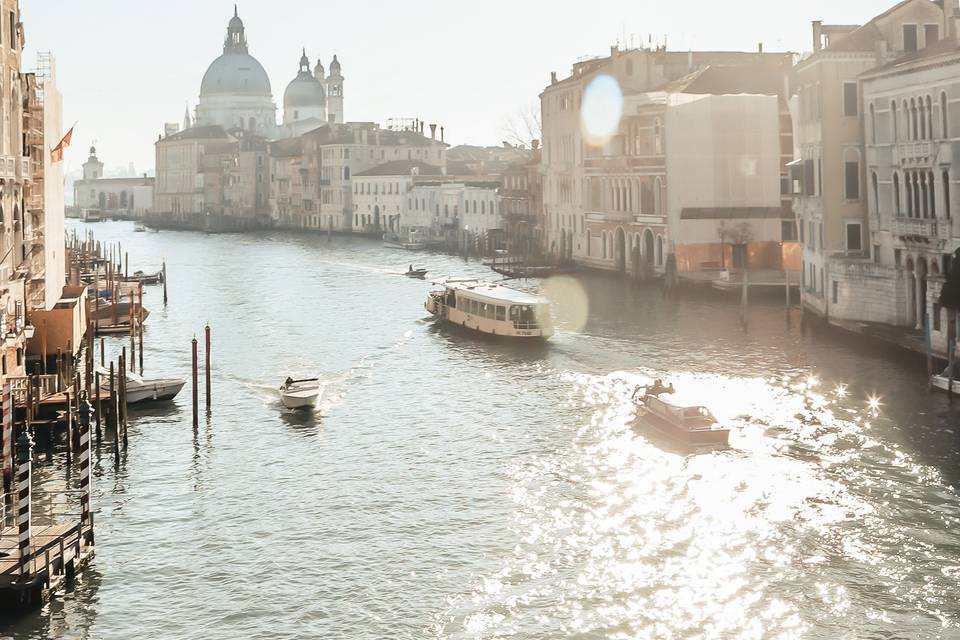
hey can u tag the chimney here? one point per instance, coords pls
(433, 132)
(442, 135)
(535, 144)
(553, 77)
(421, 127)
(759, 47)
(817, 35)
(613, 50)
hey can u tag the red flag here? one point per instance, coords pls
(57, 154)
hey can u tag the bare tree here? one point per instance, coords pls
(524, 126)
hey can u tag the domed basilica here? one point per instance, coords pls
(236, 92)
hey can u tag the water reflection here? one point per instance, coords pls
(450, 487)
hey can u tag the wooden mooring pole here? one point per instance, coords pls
(112, 417)
(206, 367)
(744, 298)
(24, 530)
(99, 409)
(140, 326)
(122, 396)
(196, 418)
(133, 331)
(929, 344)
(164, 283)
(84, 426)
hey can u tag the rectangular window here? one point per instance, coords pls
(852, 179)
(801, 232)
(850, 106)
(909, 37)
(501, 313)
(788, 231)
(836, 291)
(936, 317)
(808, 178)
(854, 237)
(896, 257)
(931, 33)
(13, 30)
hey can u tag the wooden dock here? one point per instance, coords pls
(57, 553)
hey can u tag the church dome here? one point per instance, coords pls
(304, 90)
(235, 73)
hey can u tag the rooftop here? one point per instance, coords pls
(493, 292)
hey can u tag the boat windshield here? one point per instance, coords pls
(525, 316)
(698, 416)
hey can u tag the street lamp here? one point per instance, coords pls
(28, 331)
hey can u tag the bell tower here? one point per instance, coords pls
(335, 93)
(92, 168)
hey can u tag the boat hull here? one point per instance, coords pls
(300, 400)
(942, 384)
(693, 439)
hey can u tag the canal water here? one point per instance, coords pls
(453, 488)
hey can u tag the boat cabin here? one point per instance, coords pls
(691, 418)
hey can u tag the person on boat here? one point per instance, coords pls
(410, 269)
(288, 382)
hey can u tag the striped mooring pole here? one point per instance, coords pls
(24, 460)
(84, 462)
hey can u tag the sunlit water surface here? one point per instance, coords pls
(453, 488)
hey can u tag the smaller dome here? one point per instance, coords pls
(305, 90)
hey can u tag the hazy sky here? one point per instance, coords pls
(127, 66)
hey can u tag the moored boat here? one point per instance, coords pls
(945, 382)
(690, 425)
(408, 243)
(140, 389)
(300, 394)
(491, 309)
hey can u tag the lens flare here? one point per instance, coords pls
(874, 403)
(569, 302)
(601, 110)
(841, 391)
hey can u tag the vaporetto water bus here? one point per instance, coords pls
(491, 309)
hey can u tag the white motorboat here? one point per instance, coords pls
(946, 382)
(300, 394)
(140, 389)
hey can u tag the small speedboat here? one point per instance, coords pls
(140, 389)
(146, 278)
(689, 425)
(139, 228)
(300, 394)
(420, 274)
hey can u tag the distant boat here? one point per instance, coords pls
(410, 243)
(416, 273)
(300, 394)
(690, 425)
(140, 389)
(139, 228)
(491, 309)
(91, 215)
(146, 278)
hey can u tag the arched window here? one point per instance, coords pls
(483, 206)
(876, 192)
(893, 121)
(916, 127)
(896, 193)
(873, 124)
(919, 120)
(657, 195)
(906, 120)
(929, 131)
(946, 193)
(346, 173)
(932, 194)
(603, 239)
(657, 136)
(659, 251)
(944, 120)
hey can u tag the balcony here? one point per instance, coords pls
(921, 153)
(921, 227)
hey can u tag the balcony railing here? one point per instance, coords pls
(916, 152)
(921, 227)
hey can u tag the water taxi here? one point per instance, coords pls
(300, 394)
(490, 309)
(690, 425)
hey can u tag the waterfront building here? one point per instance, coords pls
(467, 215)
(911, 107)
(212, 179)
(127, 196)
(324, 163)
(379, 193)
(606, 203)
(843, 274)
(521, 202)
